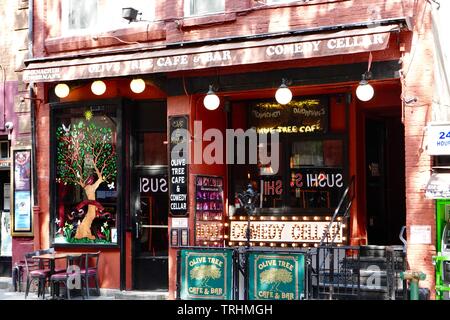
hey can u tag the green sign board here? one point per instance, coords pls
(206, 274)
(276, 276)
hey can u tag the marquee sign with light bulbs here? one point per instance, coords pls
(285, 231)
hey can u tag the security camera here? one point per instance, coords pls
(9, 125)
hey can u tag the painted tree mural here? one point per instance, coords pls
(86, 157)
(275, 277)
(204, 273)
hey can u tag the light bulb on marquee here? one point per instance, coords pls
(137, 85)
(211, 100)
(98, 87)
(283, 94)
(62, 90)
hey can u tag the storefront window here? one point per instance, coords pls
(316, 174)
(85, 164)
(311, 173)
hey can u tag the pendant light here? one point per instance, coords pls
(365, 91)
(283, 94)
(211, 100)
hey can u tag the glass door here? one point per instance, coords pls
(149, 197)
(151, 230)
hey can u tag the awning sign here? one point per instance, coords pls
(438, 186)
(219, 55)
(438, 139)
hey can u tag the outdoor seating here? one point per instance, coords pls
(90, 270)
(74, 263)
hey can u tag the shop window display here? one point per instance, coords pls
(86, 175)
(311, 175)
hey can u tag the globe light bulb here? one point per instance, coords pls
(211, 100)
(283, 94)
(98, 87)
(62, 90)
(137, 85)
(365, 91)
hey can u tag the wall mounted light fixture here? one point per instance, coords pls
(283, 94)
(211, 100)
(98, 87)
(137, 85)
(62, 90)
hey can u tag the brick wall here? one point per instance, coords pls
(418, 82)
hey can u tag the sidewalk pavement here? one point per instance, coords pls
(7, 293)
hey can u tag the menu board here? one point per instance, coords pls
(178, 170)
(299, 116)
(209, 211)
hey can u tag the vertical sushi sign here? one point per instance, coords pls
(21, 195)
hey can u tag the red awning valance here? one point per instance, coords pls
(217, 55)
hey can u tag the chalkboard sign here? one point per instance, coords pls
(305, 115)
(178, 173)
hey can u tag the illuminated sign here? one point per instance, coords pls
(286, 231)
(304, 115)
(208, 231)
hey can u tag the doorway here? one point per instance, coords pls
(149, 196)
(385, 178)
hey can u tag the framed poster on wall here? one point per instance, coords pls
(21, 192)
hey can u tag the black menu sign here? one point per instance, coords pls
(178, 173)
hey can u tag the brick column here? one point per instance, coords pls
(417, 81)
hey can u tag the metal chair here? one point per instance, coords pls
(36, 270)
(90, 270)
(74, 265)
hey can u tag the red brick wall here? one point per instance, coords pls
(418, 76)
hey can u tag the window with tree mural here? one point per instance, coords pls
(85, 171)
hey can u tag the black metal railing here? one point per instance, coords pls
(331, 270)
(335, 273)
